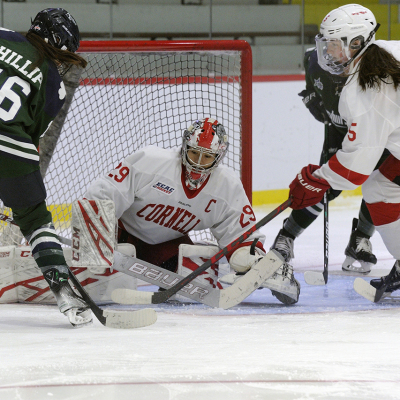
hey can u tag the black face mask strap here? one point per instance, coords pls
(369, 38)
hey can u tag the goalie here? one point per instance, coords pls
(162, 195)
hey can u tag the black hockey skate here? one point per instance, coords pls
(389, 283)
(284, 245)
(69, 303)
(359, 249)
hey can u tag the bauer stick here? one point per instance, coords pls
(110, 318)
(315, 277)
(220, 298)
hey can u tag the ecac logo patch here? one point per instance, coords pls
(162, 187)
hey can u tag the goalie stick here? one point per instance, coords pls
(219, 298)
(111, 318)
(315, 277)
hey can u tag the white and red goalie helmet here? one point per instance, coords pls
(336, 43)
(206, 137)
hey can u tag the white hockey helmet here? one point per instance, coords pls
(345, 33)
(206, 137)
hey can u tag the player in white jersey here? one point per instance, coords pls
(161, 195)
(370, 103)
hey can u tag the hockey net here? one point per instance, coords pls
(134, 94)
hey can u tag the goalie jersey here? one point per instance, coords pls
(154, 204)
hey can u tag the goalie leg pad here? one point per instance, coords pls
(8, 289)
(93, 233)
(193, 256)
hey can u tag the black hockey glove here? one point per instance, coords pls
(314, 104)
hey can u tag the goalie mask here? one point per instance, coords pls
(345, 34)
(205, 144)
(58, 28)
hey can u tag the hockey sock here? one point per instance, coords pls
(46, 249)
(299, 220)
(365, 226)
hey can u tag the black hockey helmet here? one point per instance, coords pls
(57, 27)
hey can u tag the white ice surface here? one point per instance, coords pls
(333, 344)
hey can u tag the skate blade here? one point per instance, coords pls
(348, 266)
(78, 321)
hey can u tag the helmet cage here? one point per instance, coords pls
(196, 173)
(57, 27)
(339, 30)
(334, 54)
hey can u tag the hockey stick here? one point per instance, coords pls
(220, 298)
(364, 289)
(315, 277)
(116, 319)
(110, 318)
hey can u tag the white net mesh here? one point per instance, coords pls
(127, 100)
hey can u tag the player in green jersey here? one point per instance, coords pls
(321, 97)
(31, 95)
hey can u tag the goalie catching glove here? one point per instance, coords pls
(282, 284)
(306, 190)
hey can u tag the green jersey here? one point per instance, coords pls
(327, 87)
(30, 98)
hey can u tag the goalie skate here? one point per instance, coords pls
(283, 285)
(359, 256)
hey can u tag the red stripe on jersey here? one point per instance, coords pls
(384, 213)
(206, 137)
(390, 168)
(353, 177)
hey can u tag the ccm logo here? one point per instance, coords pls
(159, 276)
(76, 242)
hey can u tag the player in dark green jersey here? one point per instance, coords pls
(321, 97)
(31, 94)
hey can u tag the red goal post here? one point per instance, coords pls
(138, 93)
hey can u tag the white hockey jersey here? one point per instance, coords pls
(373, 120)
(154, 204)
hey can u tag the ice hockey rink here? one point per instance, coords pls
(333, 344)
